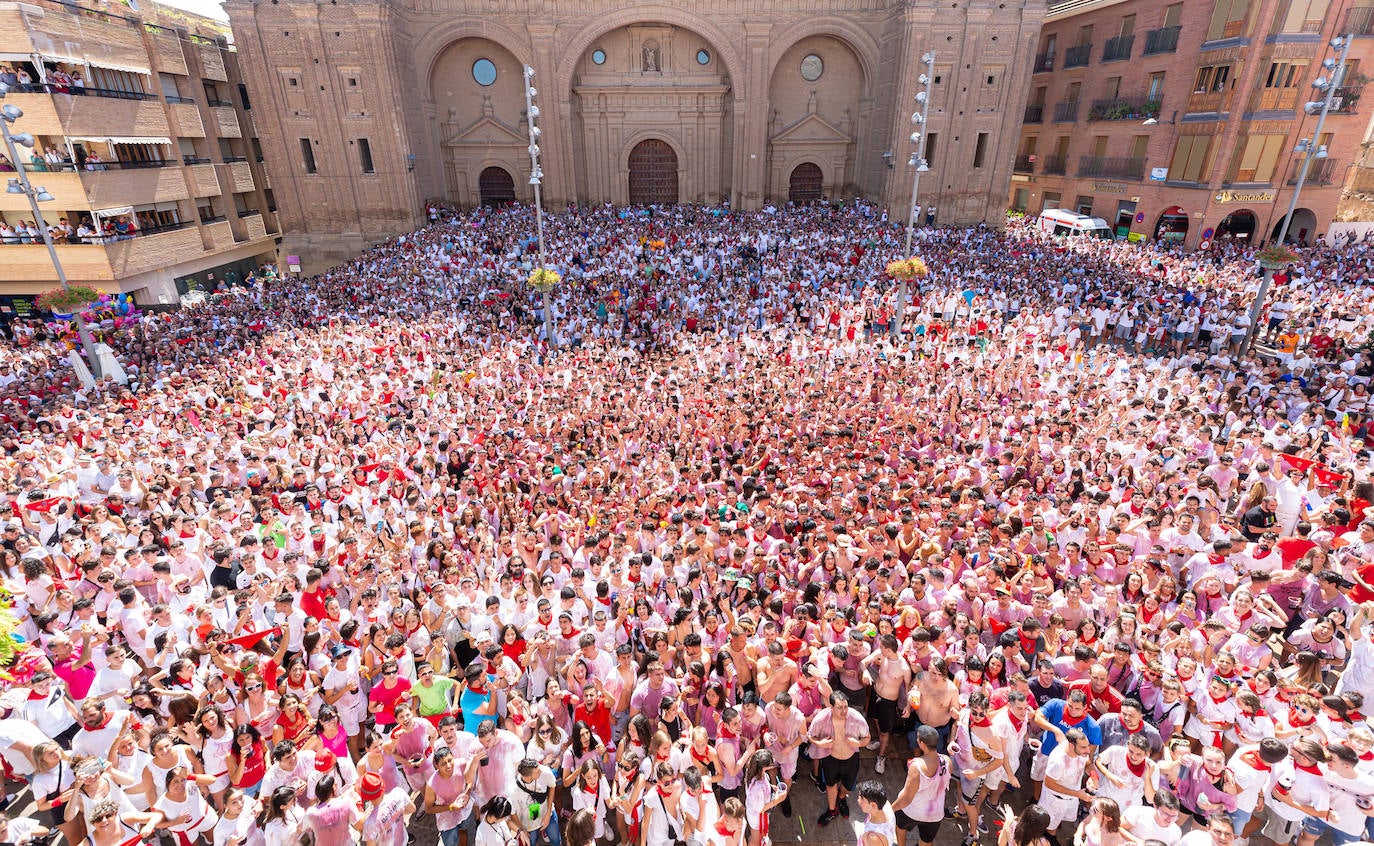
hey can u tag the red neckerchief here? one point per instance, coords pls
(722, 830)
(108, 717)
(1247, 615)
(1252, 714)
(1182, 677)
(1217, 701)
(702, 758)
(983, 723)
(33, 695)
(1368, 756)
(1214, 559)
(1296, 723)
(1136, 771)
(1073, 721)
(1130, 730)
(1313, 770)
(1354, 716)
(1015, 723)
(1257, 555)
(1253, 759)
(592, 790)
(725, 733)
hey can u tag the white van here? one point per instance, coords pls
(1065, 222)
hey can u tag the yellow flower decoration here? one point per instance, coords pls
(544, 279)
(908, 268)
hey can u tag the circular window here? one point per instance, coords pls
(484, 72)
(703, 57)
(598, 57)
(812, 67)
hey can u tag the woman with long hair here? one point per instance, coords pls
(590, 794)
(1103, 825)
(238, 824)
(330, 820)
(1032, 828)
(185, 811)
(762, 791)
(281, 820)
(496, 825)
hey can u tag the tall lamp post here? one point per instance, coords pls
(21, 185)
(918, 120)
(537, 179)
(1311, 149)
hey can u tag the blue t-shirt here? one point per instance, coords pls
(470, 701)
(1054, 712)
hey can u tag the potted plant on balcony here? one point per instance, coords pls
(1150, 109)
(64, 302)
(1275, 257)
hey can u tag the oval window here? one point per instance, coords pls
(812, 67)
(484, 72)
(598, 57)
(703, 57)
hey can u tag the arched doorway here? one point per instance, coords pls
(804, 186)
(1172, 225)
(1302, 230)
(496, 186)
(653, 173)
(1238, 225)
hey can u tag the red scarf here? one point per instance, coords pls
(1296, 723)
(1136, 771)
(1253, 759)
(1015, 723)
(1217, 701)
(1313, 770)
(983, 723)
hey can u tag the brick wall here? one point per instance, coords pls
(185, 120)
(203, 181)
(226, 122)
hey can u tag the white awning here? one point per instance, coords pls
(16, 57)
(101, 63)
(122, 140)
(113, 212)
(59, 60)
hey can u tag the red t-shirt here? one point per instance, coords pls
(1292, 549)
(1112, 695)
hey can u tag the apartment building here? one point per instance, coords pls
(1181, 120)
(145, 140)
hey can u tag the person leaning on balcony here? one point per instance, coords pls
(86, 234)
(7, 234)
(37, 162)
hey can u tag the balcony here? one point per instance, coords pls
(1066, 112)
(204, 182)
(236, 177)
(1347, 100)
(152, 249)
(185, 120)
(1118, 48)
(1319, 172)
(1274, 100)
(1124, 108)
(1209, 101)
(1111, 167)
(1024, 164)
(226, 122)
(1359, 21)
(1162, 40)
(1077, 57)
(1056, 165)
(1044, 63)
(1034, 114)
(45, 113)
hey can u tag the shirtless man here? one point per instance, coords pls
(891, 675)
(775, 672)
(839, 731)
(935, 699)
(622, 682)
(738, 648)
(978, 751)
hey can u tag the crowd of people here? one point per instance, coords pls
(363, 548)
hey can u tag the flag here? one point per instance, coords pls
(1297, 462)
(1326, 476)
(250, 640)
(44, 505)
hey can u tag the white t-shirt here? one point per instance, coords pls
(1145, 827)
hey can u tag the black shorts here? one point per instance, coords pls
(884, 713)
(840, 773)
(925, 831)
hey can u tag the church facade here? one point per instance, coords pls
(368, 109)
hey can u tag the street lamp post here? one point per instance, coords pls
(537, 179)
(1311, 149)
(21, 185)
(918, 120)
